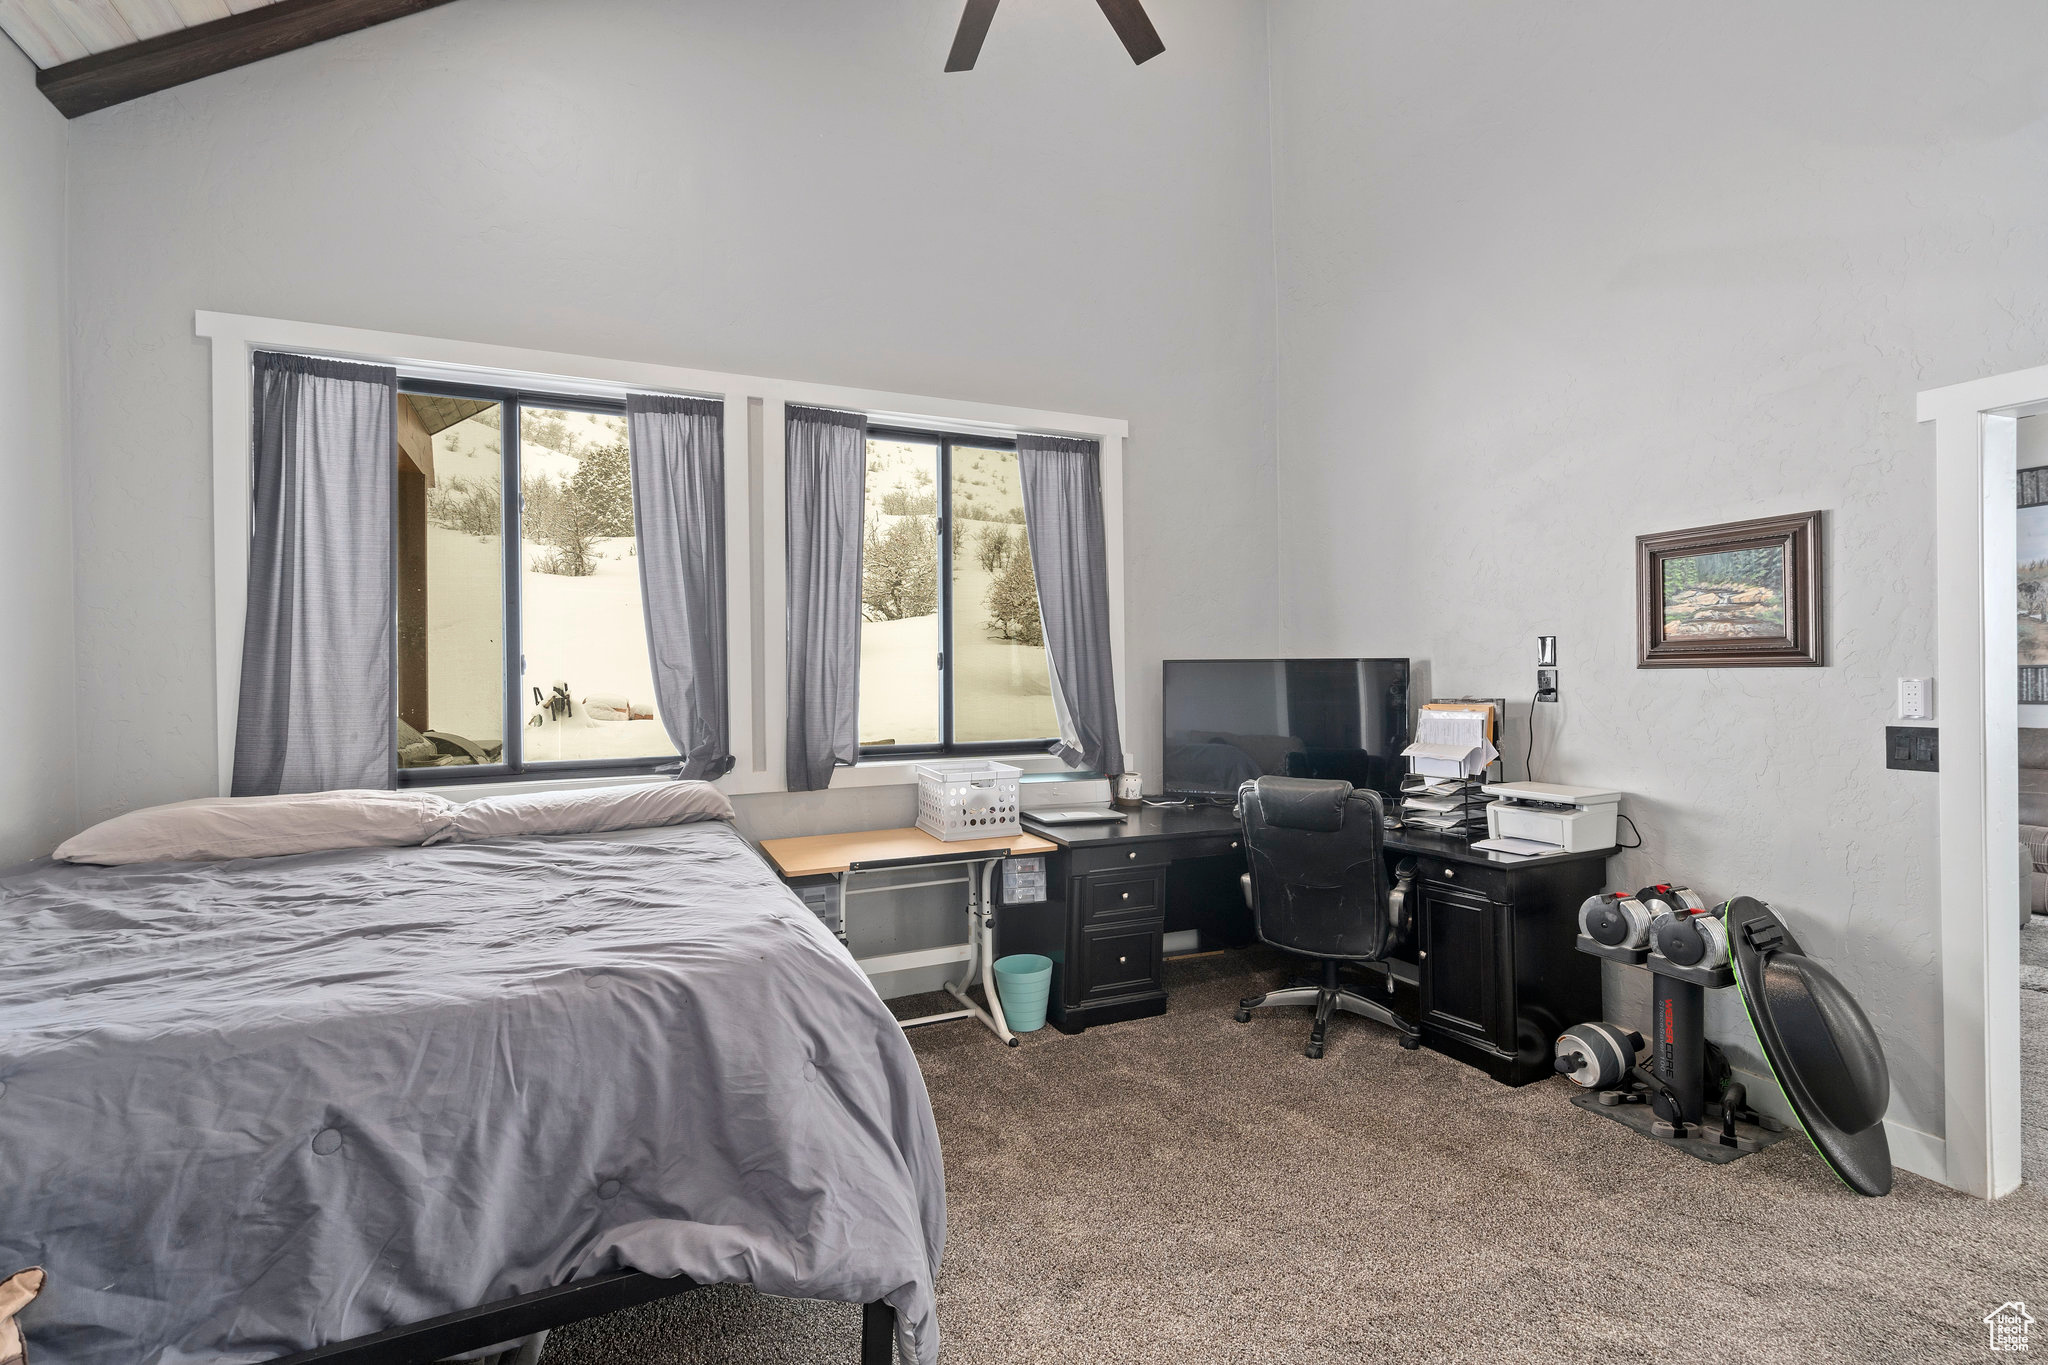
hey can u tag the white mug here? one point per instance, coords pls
(1130, 788)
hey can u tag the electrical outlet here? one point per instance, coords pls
(1546, 684)
(1916, 699)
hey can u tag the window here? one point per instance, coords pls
(952, 653)
(524, 608)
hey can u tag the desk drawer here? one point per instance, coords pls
(1112, 895)
(1213, 846)
(1120, 960)
(1124, 856)
(1480, 881)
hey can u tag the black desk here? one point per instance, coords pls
(1490, 969)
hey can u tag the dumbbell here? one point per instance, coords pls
(1598, 1055)
(1615, 919)
(1682, 929)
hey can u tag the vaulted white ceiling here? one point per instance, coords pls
(53, 32)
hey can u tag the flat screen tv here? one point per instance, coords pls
(1230, 720)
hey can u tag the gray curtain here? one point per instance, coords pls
(678, 451)
(825, 459)
(1063, 514)
(318, 709)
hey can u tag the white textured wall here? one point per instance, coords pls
(38, 796)
(1552, 276)
(791, 187)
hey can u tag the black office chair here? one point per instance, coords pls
(1318, 887)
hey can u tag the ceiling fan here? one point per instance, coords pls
(1127, 17)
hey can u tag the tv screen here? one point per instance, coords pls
(1230, 720)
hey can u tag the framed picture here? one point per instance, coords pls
(1745, 594)
(2033, 585)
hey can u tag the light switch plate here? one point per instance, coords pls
(1916, 699)
(1912, 748)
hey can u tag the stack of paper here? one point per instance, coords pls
(1442, 805)
(1434, 786)
(1519, 848)
(1443, 824)
(1450, 744)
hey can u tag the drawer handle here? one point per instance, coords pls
(1233, 843)
(1422, 955)
(1132, 855)
(1127, 895)
(1121, 961)
(1449, 873)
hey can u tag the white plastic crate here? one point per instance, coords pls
(967, 799)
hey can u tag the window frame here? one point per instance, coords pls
(947, 747)
(756, 510)
(515, 767)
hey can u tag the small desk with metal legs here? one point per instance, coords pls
(845, 856)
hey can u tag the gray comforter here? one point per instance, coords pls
(250, 1107)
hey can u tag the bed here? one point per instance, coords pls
(250, 1108)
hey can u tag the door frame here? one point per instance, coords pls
(1976, 431)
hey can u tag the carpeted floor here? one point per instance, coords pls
(1192, 1191)
(2034, 1051)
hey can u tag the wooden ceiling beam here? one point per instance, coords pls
(138, 69)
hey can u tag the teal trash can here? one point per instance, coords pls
(1023, 982)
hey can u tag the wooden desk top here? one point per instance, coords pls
(815, 855)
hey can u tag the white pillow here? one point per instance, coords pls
(263, 827)
(591, 811)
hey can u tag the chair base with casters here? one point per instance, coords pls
(1328, 998)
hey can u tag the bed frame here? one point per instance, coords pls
(508, 1320)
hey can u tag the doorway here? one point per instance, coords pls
(1976, 459)
(2031, 639)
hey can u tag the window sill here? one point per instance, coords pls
(1038, 767)
(477, 789)
(891, 772)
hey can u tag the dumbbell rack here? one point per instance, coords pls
(1678, 1115)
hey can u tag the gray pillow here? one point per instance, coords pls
(592, 810)
(263, 827)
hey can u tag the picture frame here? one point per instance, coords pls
(2032, 584)
(1743, 594)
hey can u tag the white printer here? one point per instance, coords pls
(1567, 819)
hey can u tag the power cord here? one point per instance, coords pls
(1529, 755)
(1632, 830)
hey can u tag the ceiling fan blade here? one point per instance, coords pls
(974, 22)
(1127, 17)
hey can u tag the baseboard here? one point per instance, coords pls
(1912, 1150)
(1921, 1153)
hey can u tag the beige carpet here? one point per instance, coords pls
(2034, 1052)
(1192, 1191)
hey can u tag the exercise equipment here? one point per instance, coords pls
(1615, 919)
(1665, 898)
(1597, 1056)
(1820, 1046)
(1683, 930)
(1683, 1096)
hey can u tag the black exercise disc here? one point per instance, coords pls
(1818, 1043)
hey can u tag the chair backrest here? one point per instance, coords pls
(1318, 867)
